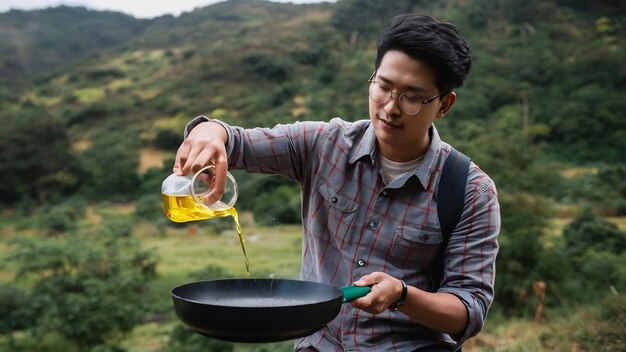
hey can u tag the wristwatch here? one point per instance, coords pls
(402, 301)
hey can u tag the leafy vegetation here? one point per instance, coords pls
(86, 294)
(88, 92)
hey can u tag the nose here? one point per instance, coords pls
(392, 107)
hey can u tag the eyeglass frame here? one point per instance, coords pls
(423, 102)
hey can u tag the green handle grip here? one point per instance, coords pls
(350, 293)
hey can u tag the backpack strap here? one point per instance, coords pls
(450, 204)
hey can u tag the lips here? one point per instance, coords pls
(385, 123)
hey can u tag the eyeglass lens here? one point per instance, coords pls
(381, 95)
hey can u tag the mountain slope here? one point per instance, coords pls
(36, 42)
(539, 82)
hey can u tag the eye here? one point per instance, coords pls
(410, 98)
(383, 87)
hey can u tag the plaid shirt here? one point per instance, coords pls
(354, 225)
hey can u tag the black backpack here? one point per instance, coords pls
(450, 204)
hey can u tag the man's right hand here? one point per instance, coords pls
(205, 144)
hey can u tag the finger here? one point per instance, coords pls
(187, 158)
(372, 303)
(194, 161)
(205, 181)
(221, 168)
(202, 157)
(181, 158)
(362, 303)
(370, 279)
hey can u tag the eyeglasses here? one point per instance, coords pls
(409, 103)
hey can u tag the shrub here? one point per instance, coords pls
(14, 314)
(149, 207)
(88, 294)
(60, 219)
(591, 233)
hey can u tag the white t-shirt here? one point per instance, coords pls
(390, 170)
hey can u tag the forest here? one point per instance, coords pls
(93, 105)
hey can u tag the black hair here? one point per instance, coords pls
(435, 43)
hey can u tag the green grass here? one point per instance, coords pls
(188, 250)
(595, 328)
(89, 95)
(184, 252)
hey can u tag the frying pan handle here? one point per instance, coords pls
(350, 293)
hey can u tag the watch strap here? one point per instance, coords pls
(402, 301)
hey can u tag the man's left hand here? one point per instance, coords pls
(386, 290)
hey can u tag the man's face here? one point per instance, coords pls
(401, 137)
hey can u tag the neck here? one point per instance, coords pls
(403, 153)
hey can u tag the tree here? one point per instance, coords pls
(111, 166)
(591, 233)
(279, 206)
(596, 249)
(36, 159)
(521, 249)
(364, 18)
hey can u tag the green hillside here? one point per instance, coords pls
(256, 57)
(35, 43)
(92, 107)
(550, 73)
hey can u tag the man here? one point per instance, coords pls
(368, 207)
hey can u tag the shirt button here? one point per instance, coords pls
(384, 193)
(361, 262)
(373, 224)
(334, 200)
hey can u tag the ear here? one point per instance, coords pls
(446, 103)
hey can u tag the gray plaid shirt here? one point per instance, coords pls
(354, 225)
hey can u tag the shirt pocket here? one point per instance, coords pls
(339, 209)
(415, 247)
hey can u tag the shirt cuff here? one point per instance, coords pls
(475, 314)
(193, 123)
(200, 119)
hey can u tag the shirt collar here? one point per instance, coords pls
(427, 168)
(366, 146)
(424, 172)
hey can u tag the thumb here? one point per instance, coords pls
(366, 280)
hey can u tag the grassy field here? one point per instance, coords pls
(276, 251)
(188, 253)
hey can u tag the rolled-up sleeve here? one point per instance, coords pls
(200, 119)
(283, 150)
(469, 266)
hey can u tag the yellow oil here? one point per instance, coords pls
(185, 209)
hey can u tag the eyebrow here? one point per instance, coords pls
(415, 89)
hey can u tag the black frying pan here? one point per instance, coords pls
(260, 310)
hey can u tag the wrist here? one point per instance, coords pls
(193, 123)
(402, 301)
(206, 128)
